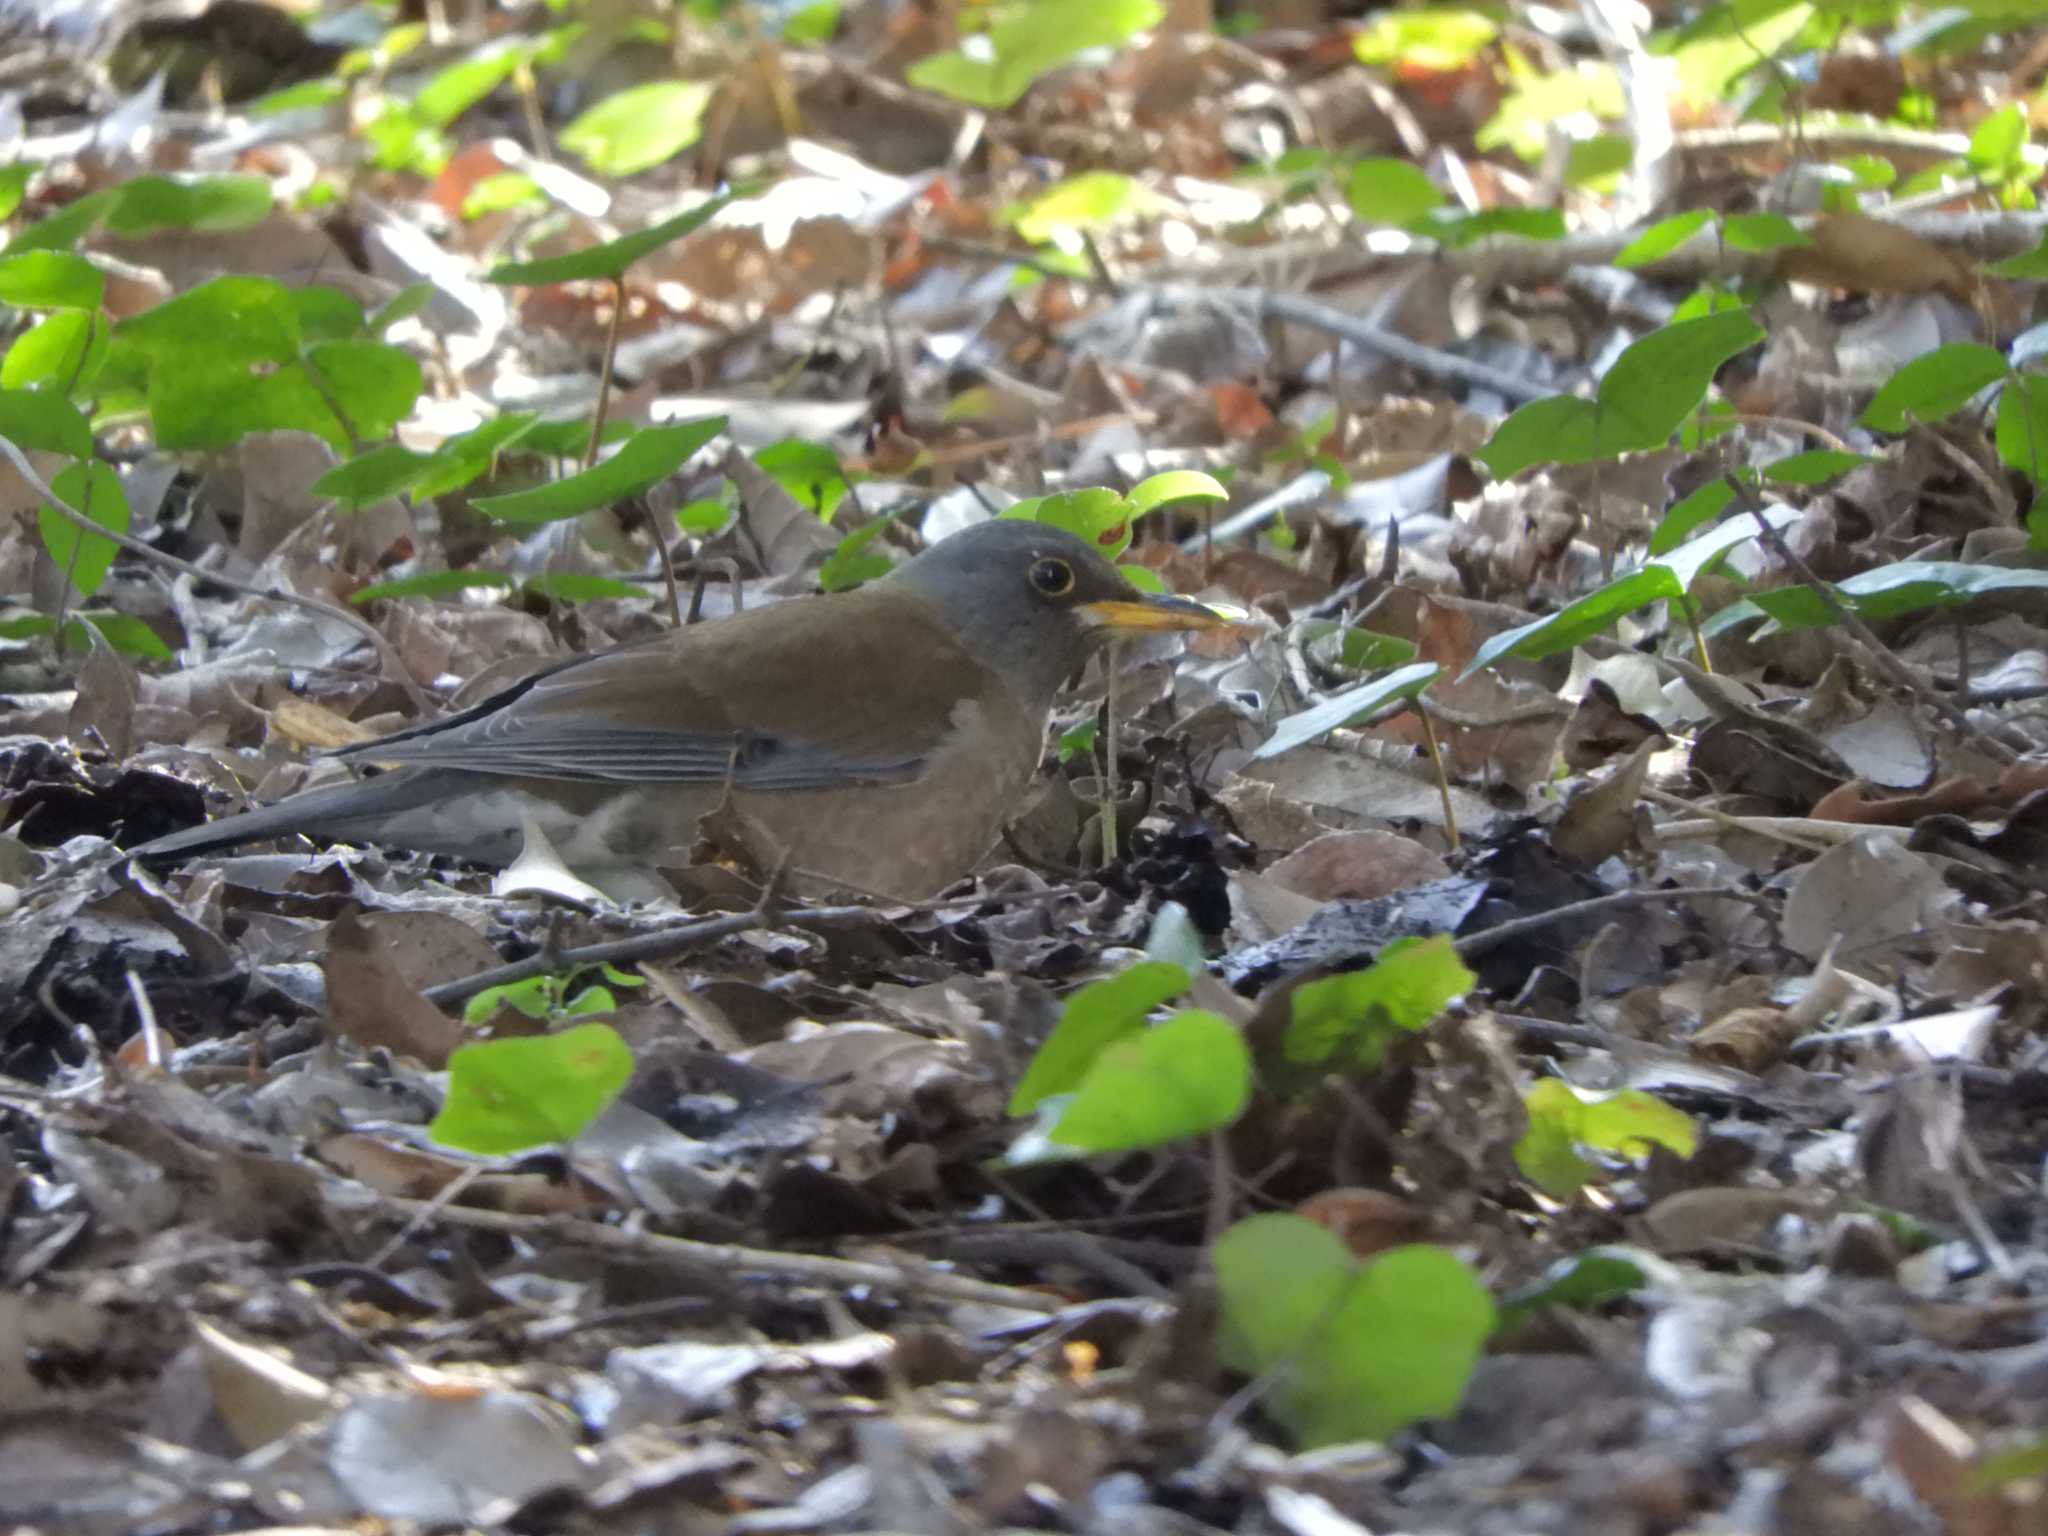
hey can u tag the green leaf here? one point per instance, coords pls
(1026, 41)
(1872, 173)
(534, 997)
(1357, 1014)
(809, 471)
(1702, 506)
(579, 587)
(502, 193)
(2032, 266)
(705, 516)
(1998, 146)
(94, 489)
(14, 181)
(1079, 741)
(123, 631)
(1886, 592)
(505, 1096)
(1359, 703)
(1382, 190)
(1933, 385)
(1652, 387)
(2021, 435)
(373, 384)
(1665, 577)
(1080, 204)
(454, 90)
(432, 584)
(305, 96)
(569, 439)
(811, 25)
(853, 561)
(644, 460)
(327, 314)
(636, 129)
(2021, 1463)
(1816, 467)
(1098, 515)
(149, 204)
(1162, 490)
(1662, 238)
(1354, 1353)
(50, 280)
(1593, 161)
(1442, 42)
(388, 470)
(1561, 429)
(1095, 1018)
(1144, 578)
(67, 226)
(44, 422)
(1562, 1118)
(1366, 650)
(1519, 223)
(614, 256)
(63, 349)
(1187, 1076)
(222, 360)
(1761, 232)
(1661, 379)
(1582, 1282)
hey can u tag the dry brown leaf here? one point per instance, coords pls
(1854, 251)
(369, 1001)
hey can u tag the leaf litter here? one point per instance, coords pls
(1586, 1081)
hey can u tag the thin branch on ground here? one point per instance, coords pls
(550, 1233)
(1492, 938)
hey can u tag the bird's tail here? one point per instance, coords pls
(342, 811)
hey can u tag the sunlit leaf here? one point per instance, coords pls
(1351, 1352)
(640, 127)
(505, 1096)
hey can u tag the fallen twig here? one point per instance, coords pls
(549, 1232)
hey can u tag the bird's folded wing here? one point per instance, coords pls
(766, 699)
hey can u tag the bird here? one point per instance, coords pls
(875, 739)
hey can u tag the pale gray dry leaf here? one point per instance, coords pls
(1261, 910)
(128, 1194)
(786, 534)
(1356, 865)
(867, 1070)
(1344, 789)
(105, 704)
(1862, 892)
(833, 1500)
(259, 1395)
(269, 475)
(452, 1459)
(642, 1161)
(77, 1477)
(1880, 739)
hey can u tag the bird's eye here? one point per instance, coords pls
(1054, 578)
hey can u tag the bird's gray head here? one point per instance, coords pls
(1030, 600)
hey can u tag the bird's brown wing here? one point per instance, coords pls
(815, 694)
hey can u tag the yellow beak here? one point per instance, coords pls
(1157, 613)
